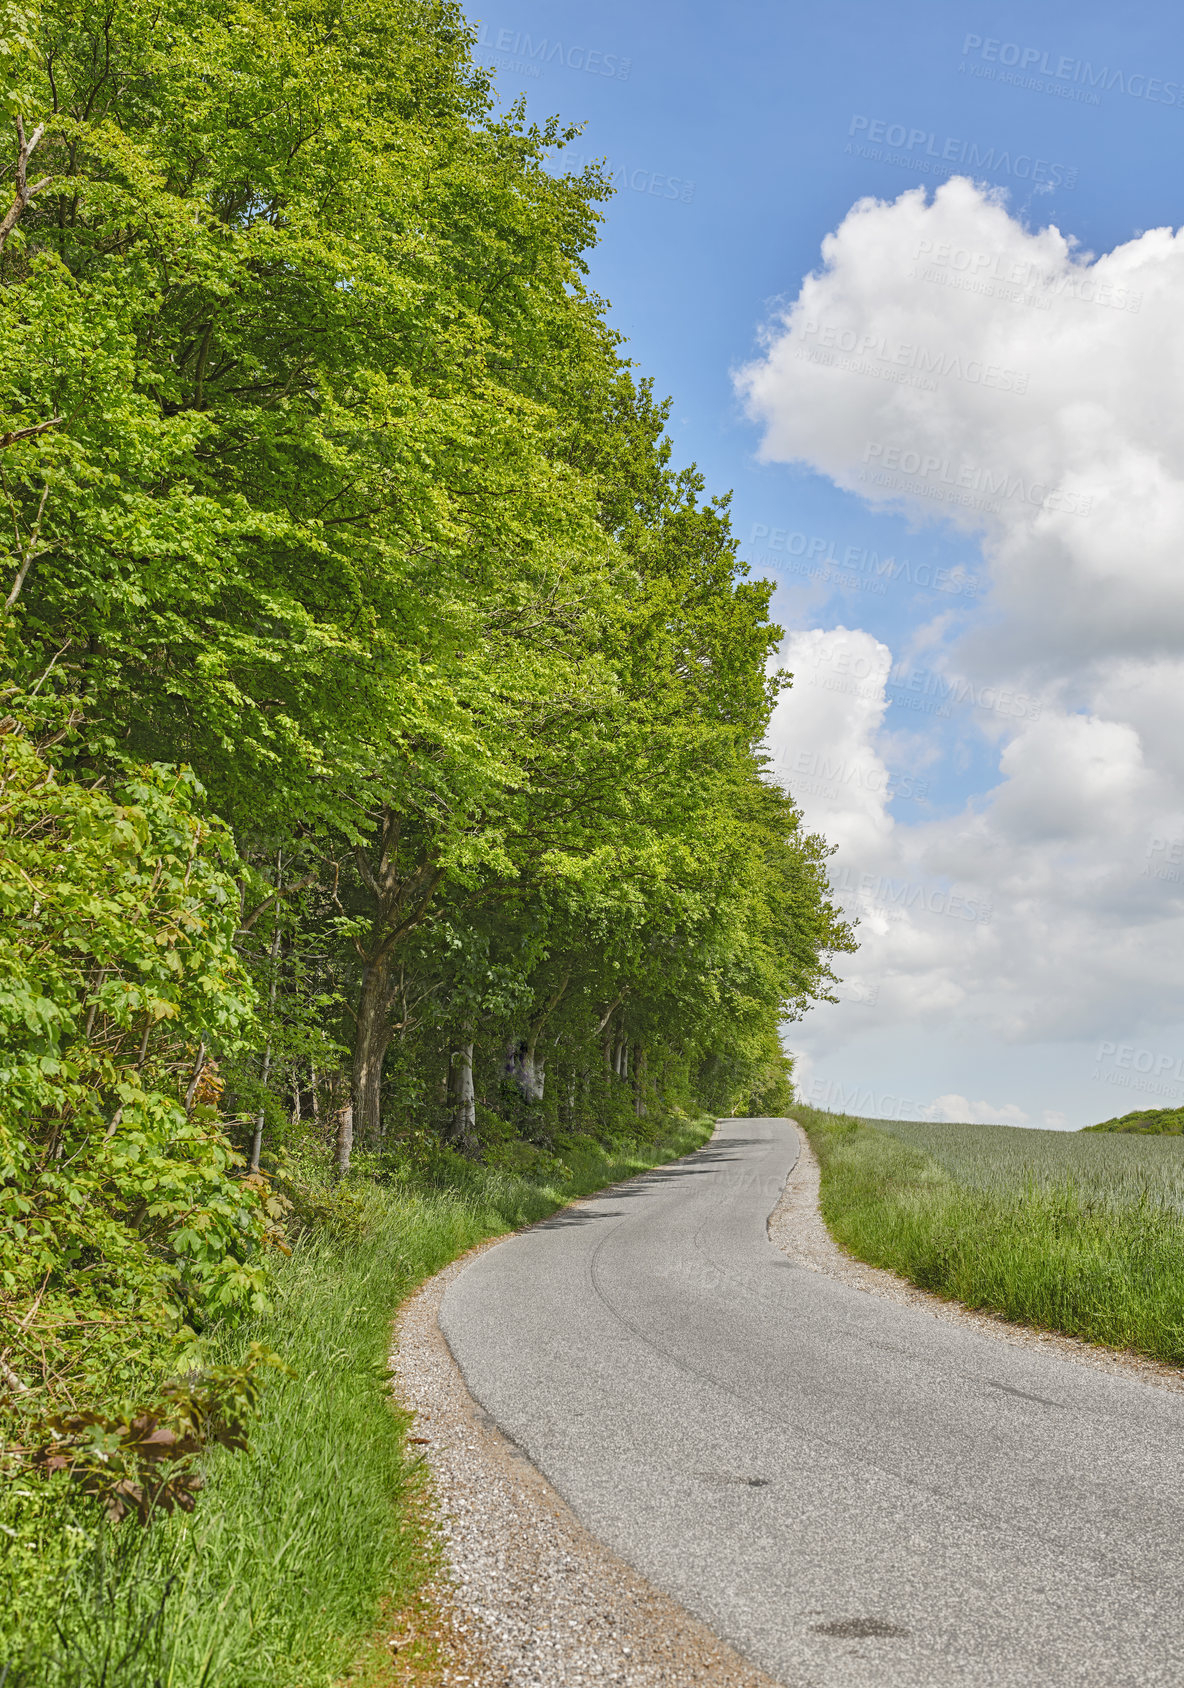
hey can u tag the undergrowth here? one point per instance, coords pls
(294, 1548)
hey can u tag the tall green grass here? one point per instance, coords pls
(1081, 1234)
(279, 1574)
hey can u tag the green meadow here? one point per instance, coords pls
(1065, 1231)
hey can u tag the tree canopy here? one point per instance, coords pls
(384, 709)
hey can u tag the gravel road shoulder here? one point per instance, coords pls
(797, 1228)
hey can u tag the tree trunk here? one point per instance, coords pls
(462, 1125)
(525, 1068)
(257, 1138)
(257, 1135)
(639, 1080)
(602, 1028)
(534, 1071)
(402, 901)
(345, 1138)
(373, 1038)
(522, 1061)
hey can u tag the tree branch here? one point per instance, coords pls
(15, 1383)
(29, 433)
(24, 193)
(611, 1010)
(288, 891)
(412, 920)
(365, 870)
(553, 1002)
(198, 1070)
(31, 552)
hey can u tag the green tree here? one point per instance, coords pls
(124, 1228)
(328, 480)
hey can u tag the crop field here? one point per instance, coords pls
(1119, 1171)
(1082, 1233)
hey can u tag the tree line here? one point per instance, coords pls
(383, 707)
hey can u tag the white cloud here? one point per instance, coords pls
(957, 1110)
(838, 709)
(1052, 427)
(952, 363)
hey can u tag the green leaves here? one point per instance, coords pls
(145, 1461)
(337, 514)
(117, 923)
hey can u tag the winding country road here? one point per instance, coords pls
(846, 1490)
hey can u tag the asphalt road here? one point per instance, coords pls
(847, 1491)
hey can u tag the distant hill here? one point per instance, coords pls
(1161, 1122)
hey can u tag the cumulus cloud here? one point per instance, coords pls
(1049, 907)
(950, 362)
(957, 1109)
(839, 706)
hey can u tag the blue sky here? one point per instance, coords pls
(741, 137)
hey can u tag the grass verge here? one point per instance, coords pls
(1064, 1235)
(297, 1549)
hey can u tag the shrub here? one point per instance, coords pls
(124, 1226)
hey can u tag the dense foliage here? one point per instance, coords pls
(382, 740)
(1155, 1122)
(116, 953)
(280, 1574)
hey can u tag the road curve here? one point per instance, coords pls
(846, 1490)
